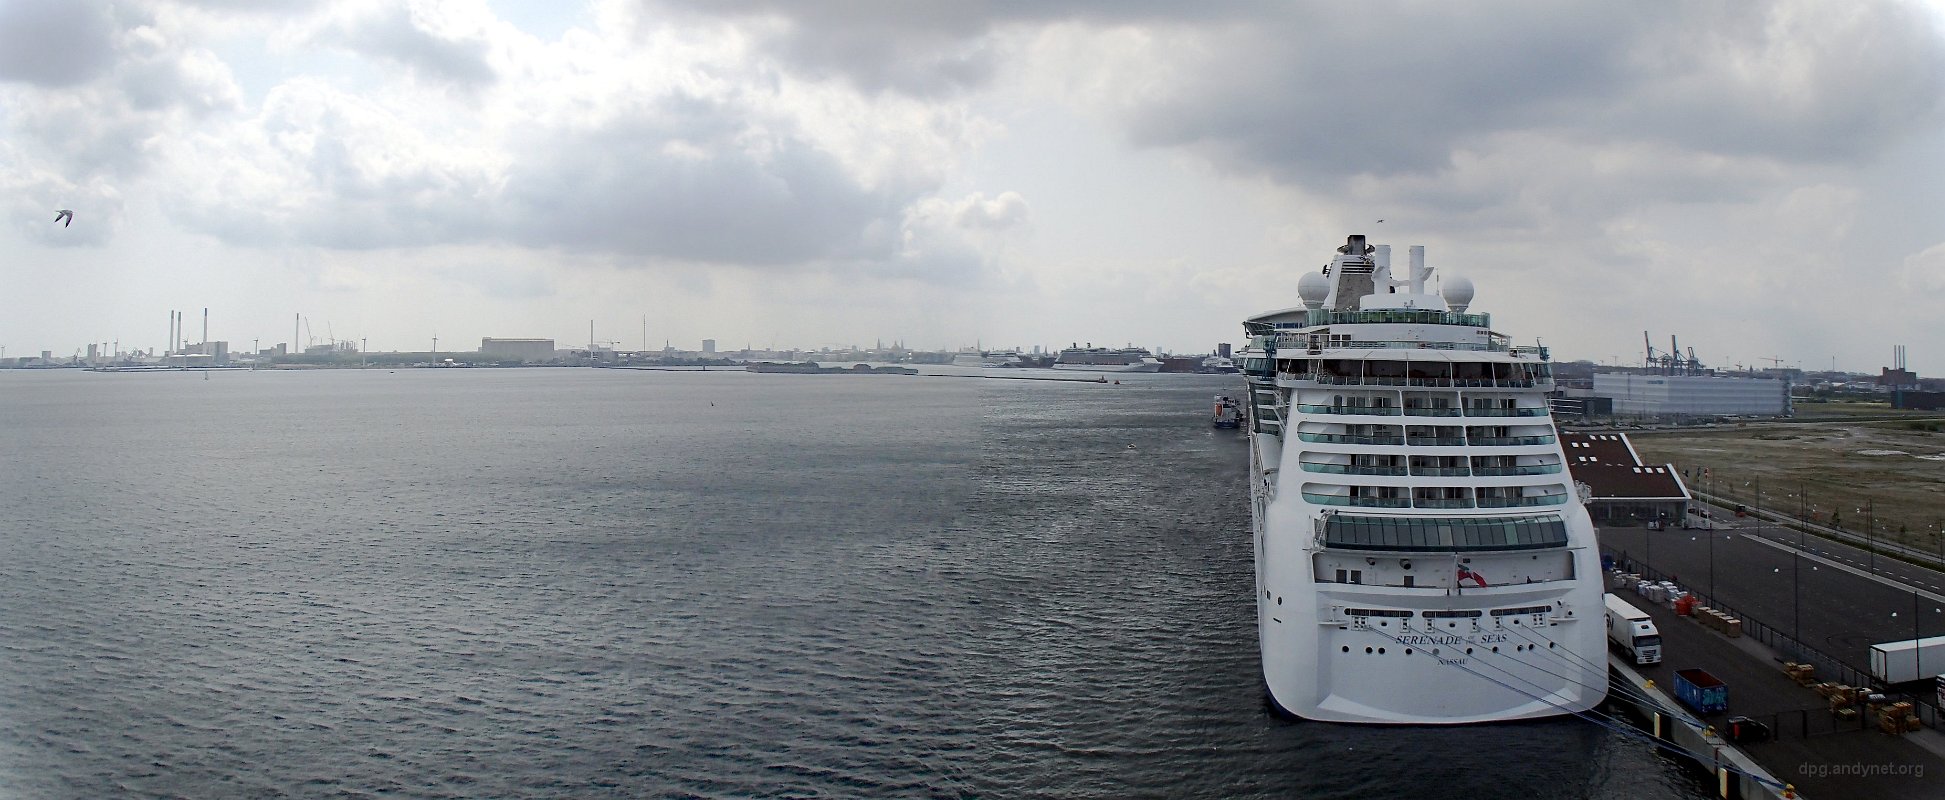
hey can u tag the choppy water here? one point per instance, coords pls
(574, 583)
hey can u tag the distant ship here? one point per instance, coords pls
(1422, 557)
(1103, 359)
(990, 358)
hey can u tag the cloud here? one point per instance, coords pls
(439, 44)
(1924, 271)
(55, 42)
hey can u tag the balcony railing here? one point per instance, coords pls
(1441, 502)
(1442, 472)
(1382, 411)
(1521, 502)
(1389, 380)
(1438, 441)
(1340, 438)
(1504, 441)
(1423, 411)
(1506, 412)
(1364, 502)
(1352, 469)
(1534, 469)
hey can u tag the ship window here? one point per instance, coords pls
(1357, 576)
(1342, 577)
(1410, 581)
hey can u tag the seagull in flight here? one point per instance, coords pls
(65, 217)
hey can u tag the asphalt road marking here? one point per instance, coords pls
(1900, 586)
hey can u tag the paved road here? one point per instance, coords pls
(1838, 604)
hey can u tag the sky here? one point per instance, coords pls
(1764, 180)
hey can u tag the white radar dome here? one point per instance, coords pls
(1313, 287)
(1457, 291)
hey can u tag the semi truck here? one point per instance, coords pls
(1630, 629)
(1908, 660)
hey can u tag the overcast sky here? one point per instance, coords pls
(1760, 179)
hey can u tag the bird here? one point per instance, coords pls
(65, 217)
(1381, 220)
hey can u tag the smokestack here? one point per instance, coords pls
(166, 343)
(205, 325)
(1417, 275)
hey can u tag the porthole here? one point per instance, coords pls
(1407, 651)
(1380, 651)
(1468, 651)
(1347, 648)
(1551, 645)
(1495, 648)
(1367, 651)
(1279, 601)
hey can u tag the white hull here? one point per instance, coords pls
(1155, 366)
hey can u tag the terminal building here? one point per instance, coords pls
(518, 349)
(1621, 489)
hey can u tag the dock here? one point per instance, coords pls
(1818, 752)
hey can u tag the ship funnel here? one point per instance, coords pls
(1354, 245)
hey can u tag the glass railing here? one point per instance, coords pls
(1340, 438)
(1521, 502)
(1441, 472)
(1352, 469)
(1438, 441)
(1506, 412)
(1441, 502)
(1535, 469)
(1502, 441)
(1422, 411)
(1382, 411)
(1322, 316)
(1438, 383)
(1363, 502)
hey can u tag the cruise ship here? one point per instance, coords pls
(1104, 359)
(1430, 560)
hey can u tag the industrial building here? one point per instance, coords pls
(1691, 395)
(518, 349)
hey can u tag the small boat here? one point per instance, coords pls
(1229, 413)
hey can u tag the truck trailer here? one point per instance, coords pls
(1630, 629)
(1908, 660)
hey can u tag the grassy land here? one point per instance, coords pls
(1854, 470)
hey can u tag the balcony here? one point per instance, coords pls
(1500, 472)
(1438, 441)
(1506, 412)
(1382, 411)
(1341, 438)
(1353, 469)
(1508, 441)
(1362, 502)
(1441, 472)
(1441, 502)
(1424, 411)
(1522, 502)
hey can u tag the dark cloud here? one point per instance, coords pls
(923, 49)
(1332, 91)
(690, 179)
(54, 42)
(390, 32)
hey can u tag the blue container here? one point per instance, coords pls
(1701, 691)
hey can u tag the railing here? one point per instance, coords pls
(1502, 441)
(1522, 502)
(1351, 469)
(1506, 412)
(1339, 438)
(1366, 502)
(1446, 383)
(1322, 316)
(1382, 411)
(1422, 411)
(1497, 472)
(1442, 472)
(1437, 441)
(1441, 502)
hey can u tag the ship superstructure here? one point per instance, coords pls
(1422, 554)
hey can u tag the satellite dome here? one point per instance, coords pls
(1457, 291)
(1313, 287)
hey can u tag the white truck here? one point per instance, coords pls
(1633, 631)
(1908, 660)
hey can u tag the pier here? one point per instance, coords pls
(1795, 599)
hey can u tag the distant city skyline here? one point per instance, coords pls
(1761, 180)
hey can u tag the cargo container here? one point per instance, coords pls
(1908, 660)
(1630, 629)
(1701, 691)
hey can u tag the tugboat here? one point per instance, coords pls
(1229, 413)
